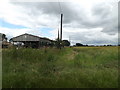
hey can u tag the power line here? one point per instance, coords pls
(57, 9)
(60, 7)
(60, 13)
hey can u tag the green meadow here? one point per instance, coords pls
(75, 67)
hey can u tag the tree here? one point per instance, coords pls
(4, 37)
(79, 44)
(57, 43)
(66, 43)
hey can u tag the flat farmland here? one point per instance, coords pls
(75, 67)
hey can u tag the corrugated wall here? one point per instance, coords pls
(26, 38)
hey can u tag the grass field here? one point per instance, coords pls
(78, 67)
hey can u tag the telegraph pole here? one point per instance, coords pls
(58, 40)
(61, 31)
(69, 39)
(58, 34)
(61, 27)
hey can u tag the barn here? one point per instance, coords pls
(29, 40)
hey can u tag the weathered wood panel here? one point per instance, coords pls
(26, 37)
(43, 40)
(29, 37)
(1, 36)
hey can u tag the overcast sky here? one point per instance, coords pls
(84, 21)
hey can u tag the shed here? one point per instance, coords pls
(30, 40)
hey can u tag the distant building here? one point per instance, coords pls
(29, 40)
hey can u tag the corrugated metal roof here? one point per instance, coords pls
(30, 37)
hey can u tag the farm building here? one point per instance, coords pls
(29, 40)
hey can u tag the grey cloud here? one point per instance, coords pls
(88, 37)
(111, 29)
(71, 15)
(77, 18)
(52, 8)
(102, 10)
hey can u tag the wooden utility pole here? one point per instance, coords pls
(58, 41)
(69, 39)
(58, 34)
(61, 31)
(61, 27)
